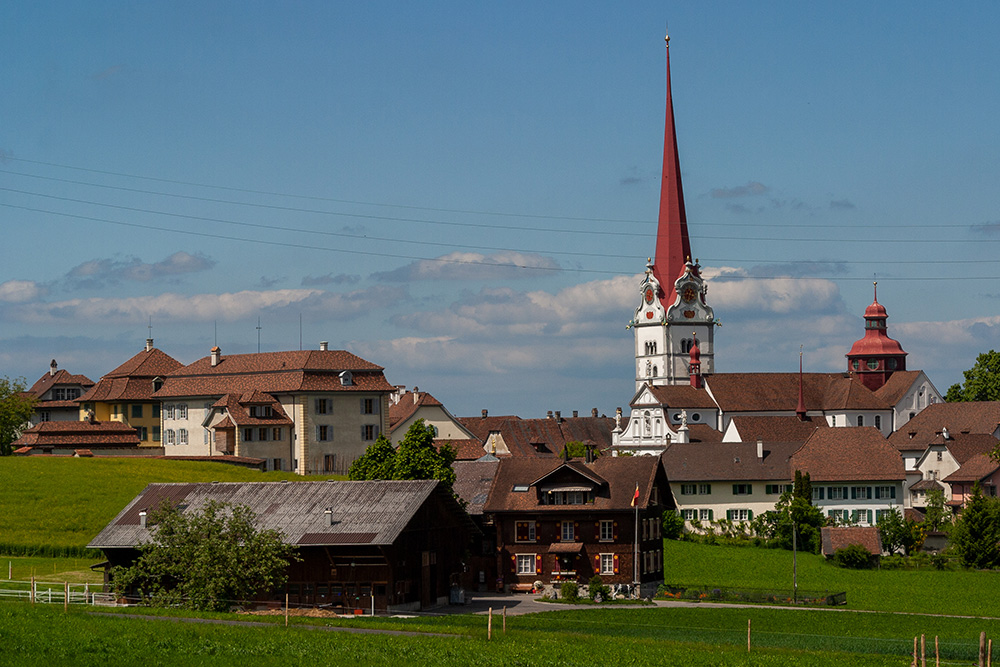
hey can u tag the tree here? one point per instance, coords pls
(793, 509)
(577, 450)
(15, 411)
(673, 525)
(982, 381)
(898, 533)
(415, 458)
(976, 533)
(205, 560)
(936, 514)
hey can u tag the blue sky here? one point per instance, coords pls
(465, 193)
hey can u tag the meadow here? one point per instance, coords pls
(55, 506)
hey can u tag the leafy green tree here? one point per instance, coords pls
(898, 533)
(15, 411)
(673, 525)
(976, 534)
(205, 560)
(577, 450)
(936, 514)
(793, 509)
(982, 381)
(854, 556)
(416, 457)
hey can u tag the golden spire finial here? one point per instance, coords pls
(666, 39)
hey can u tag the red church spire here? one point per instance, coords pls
(673, 248)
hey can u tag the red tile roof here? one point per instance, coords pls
(408, 404)
(895, 388)
(61, 377)
(521, 435)
(838, 537)
(976, 468)
(779, 429)
(148, 364)
(683, 396)
(468, 450)
(852, 453)
(973, 417)
(79, 434)
(723, 461)
(238, 414)
(774, 392)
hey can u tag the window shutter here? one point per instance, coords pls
(877, 493)
(854, 515)
(869, 493)
(614, 531)
(750, 515)
(729, 515)
(576, 531)
(538, 563)
(521, 531)
(750, 489)
(892, 491)
(829, 513)
(854, 493)
(735, 489)
(513, 563)
(616, 563)
(869, 516)
(844, 493)
(711, 515)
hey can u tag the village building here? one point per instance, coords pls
(78, 438)
(562, 520)
(57, 392)
(383, 545)
(126, 394)
(308, 411)
(509, 435)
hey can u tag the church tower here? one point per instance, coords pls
(673, 309)
(874, 358)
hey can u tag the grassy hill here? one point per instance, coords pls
(65, 502)
(924, 591)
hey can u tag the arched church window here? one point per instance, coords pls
(878, 422)
(652, 347)
(861, 420)
(655, 372)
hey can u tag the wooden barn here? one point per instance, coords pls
(399, 544)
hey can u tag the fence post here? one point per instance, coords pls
(937, 654)
(989, 653)
(286, 610)
(505, 619)
(65, 596)
(31, 593)
(982, 649)
(748, 635)
(923, 651)
(489, 624)
(914, 663)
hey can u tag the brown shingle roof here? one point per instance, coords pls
(775, 392)
(406, 406)
(473, 480)
(61, 377)
(963, 446)
(466, 449)
(895, 388)
(838, 537)
(973, 417)
(79, 434)
(683, 396)
(848, 454)
(148, 364)
(728, 461)
(521, 435)
(974, 469)
(780, 429)
(621, 473)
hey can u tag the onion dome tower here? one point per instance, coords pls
(672, 293)
(874, 358)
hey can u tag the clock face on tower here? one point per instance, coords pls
(649, 295)
(688, 293)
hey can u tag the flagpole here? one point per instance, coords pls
(635, 553)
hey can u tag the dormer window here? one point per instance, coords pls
(346, 378)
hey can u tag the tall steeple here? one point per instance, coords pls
(673, 248)
(874, 358)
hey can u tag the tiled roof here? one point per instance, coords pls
(147, 364)
(926, 485)
(120, 389)
(683, 396)
(779, 429)
(973, 417)
(838, 537)
(407, 405)
(724, 461)
(703, 433)
(851, 453)
(240, 416)
(774, 392)
(473, 480)
(974, 469)
(79, 434)
(895, 388)
(364, 513)
(622, 473)
(275, 372)
(963, 446)
(521, 435)
(467, 450)
(61, 377)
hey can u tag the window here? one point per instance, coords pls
(885, 492)
(182, 411)
(137, 411)
(771, 489)
(156, 434)
(156, 410)
(526, 563)
(873, 364)
(689, 515)
(329, 461)
(206, 436)
(818, 492)
(705, 515)
(739, 515)
(182, 436)
(169, 436)
(248, 435)
(836, 492)
(861, 516)
(263, 433)
(324, 406)
(689, 489)
(882, 514)
(704, 489)
(276, 434)
(861, 493)
(861, 420)
(840, 516)
(141, 432)
(275, 464)
(44, 416)
(940, 456)
(608, 530)
(524, 531)
(168, 411)
(878, 422)
(742, 489)
(566, 532)
(114, 410)
(324, 433)
(369, 431)
(369, 406)
(855, 364)
(607, 563)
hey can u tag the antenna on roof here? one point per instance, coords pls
(258, 334)
(300, 332)
(216, 341)
(150, 327)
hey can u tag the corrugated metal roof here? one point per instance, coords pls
(364, 512)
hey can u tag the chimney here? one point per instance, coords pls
(324, 346)
(760, 449)
(945, 434)
(53, 367)
(549, 414)
(576, 414)
(142, 518)
(149, 345)
(328, 512)
(558, 416)
(486, 413)
(800, 409)
(416, 395)
(593, 412)
(216, 356)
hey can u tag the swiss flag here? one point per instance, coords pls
(635, 496)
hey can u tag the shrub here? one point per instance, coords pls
(596, 587)
(854, 557)
(569, 590)
(673, 525)
(893, 562)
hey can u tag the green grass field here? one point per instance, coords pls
(958, 592)
(65, 502)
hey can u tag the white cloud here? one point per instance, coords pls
(774, 295)
(99, 272)
(472, 266)
(19, 291)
